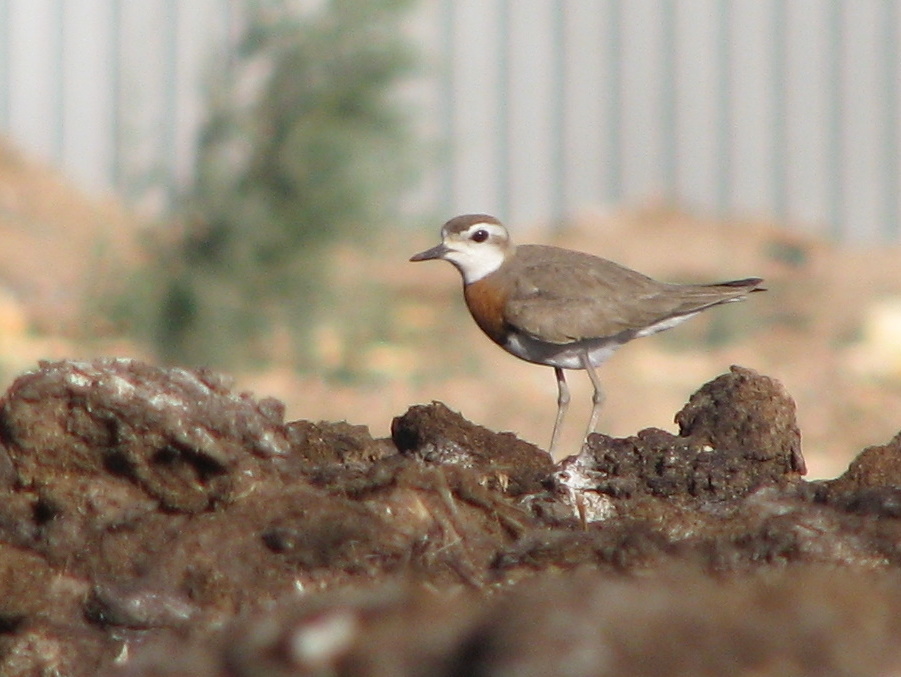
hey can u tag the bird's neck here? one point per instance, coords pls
(485, 263)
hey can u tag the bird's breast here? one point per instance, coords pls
(485, 299)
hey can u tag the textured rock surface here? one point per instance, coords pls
(179, 435)
(152, 522)
(745, 412)
(436, 434)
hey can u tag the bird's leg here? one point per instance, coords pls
(597, 399)
(562, 404)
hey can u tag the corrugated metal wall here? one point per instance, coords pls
(110, 90)
(772, 108)
(785, 108)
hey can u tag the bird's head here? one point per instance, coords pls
(477, 244)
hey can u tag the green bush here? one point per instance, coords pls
(306, 143)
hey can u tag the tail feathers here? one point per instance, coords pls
(695, 298)
(749, 284)
(689, 300)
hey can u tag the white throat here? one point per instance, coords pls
(476, 262)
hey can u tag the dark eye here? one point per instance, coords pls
(480, 235)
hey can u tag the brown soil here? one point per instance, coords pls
(154, 522)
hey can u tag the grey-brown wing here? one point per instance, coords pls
(562, 296)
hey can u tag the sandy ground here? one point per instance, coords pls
(829, 327)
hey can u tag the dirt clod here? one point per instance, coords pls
(744, 411)
(436, 434)
(179, 435)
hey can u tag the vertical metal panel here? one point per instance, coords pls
(143, 95)
(722, 198)
(57, 47)
(778, 135)
(808, 102)
(501, 100)
(697, 103)
(860, 123)
(86, 130)
(669, 55)
(559, 76)
(446, 201)
(476, 67)
(612, 93)
(530, 111)
(114, 74)
(584, 126)
(32, 74)
(5, 38)
(890, 119)
(750, 101)
(641, 99)
(429, 198)
(835, 150)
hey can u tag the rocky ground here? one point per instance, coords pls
(154, 522)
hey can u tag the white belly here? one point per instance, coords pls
(566, 356)
(569, 355)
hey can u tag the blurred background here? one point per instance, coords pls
(239, 184)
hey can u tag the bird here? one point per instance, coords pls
(563, 308)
